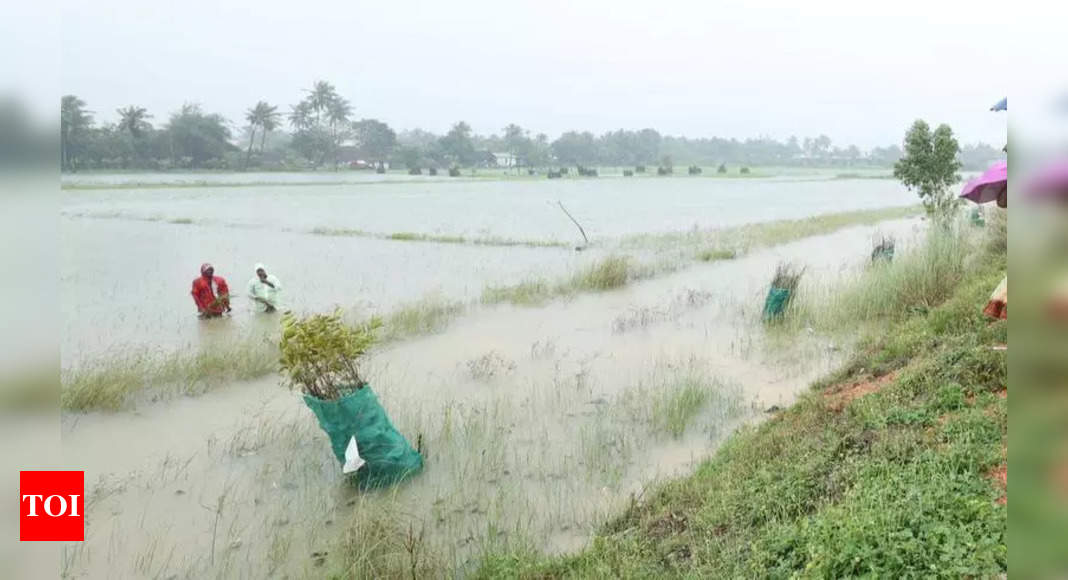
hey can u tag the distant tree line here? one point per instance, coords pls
(321, 131)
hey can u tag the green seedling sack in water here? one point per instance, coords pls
(387, 456)
(775, 303)
(884, 253)
(977, 218)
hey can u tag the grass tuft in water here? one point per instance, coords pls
(676, 407)
(321, 231)
(426, 316)
(717, 254)
(111, 384)
(377, 543)
(787, 276)
(437, 238)
(609, 274)
(415, 237)
(529, 293)
(115, 383)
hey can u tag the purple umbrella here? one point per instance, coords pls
(988, 186)
(1051, 181)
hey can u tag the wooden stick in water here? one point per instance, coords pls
(578, 225)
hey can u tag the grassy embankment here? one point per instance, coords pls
(890, 467)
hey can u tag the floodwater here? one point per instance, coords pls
(129, 255)
(516, 209)
(538, 422)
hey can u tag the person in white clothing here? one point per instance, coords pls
(264, 290)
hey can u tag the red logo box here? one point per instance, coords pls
(52, 506)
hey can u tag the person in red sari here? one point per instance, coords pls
(210, 293)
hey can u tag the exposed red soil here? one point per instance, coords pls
(841, 395)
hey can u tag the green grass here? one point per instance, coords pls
(610, 273)
(781, 232)
(438, 238)
(527, 293)
(413, 237)
(114, 383)
(426, 316)
(914, 282)
(892, 484)
(917, 281)
(675, 408)
(742, 239)
(618, 270)
(855, 175)
(716, 254)
(344, 232)
(120, 382)
(508, 242)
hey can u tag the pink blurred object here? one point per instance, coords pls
(988, 186)
(1049, 182)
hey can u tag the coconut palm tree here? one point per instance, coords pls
(133, 125)
(133, 120)
(321, 95)
(337, 114)
(74, 120)
(259, 116)
(300, 116)
(253, 117)
(320, 121)
(268, 122)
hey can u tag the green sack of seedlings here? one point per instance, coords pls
(977, 218)
(362, 436)
(775, 303)
(886, 254)
(321, 355)
(884, 250)
(782, 290)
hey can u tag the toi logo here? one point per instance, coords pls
(51, 506)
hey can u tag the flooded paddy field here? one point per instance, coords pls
(538, 421)
(128, 256)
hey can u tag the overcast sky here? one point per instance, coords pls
(856, 71)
